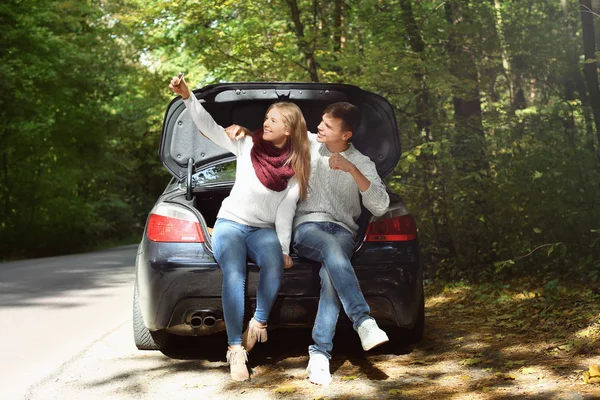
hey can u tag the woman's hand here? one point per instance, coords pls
(287, 261)
(180, 87)
(237, 132)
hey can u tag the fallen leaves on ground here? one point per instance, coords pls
(519, 332)
(471, 361)
(484, 341)
(285, 389)
(528, 370)
(592, 375)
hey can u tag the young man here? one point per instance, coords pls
(325, 225)
(324, 229)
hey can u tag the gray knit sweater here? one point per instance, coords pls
(333, 195)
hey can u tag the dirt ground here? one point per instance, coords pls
(481, 342)
(488, 342)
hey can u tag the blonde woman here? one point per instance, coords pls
(255, 221)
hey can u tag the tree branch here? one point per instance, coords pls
(304, 67)
(308, 53)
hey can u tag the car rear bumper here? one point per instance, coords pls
(173, 288)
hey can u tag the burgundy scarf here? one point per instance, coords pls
(269, 162)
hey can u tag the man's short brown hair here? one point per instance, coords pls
(348, 113)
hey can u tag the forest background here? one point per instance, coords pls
(497, 101)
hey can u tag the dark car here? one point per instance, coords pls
(178, 282)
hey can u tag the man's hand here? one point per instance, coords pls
(236, 132)
(180, 87)
(287, 261)
(338, 161)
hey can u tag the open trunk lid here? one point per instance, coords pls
(183, 149)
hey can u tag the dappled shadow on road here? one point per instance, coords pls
(507, 341)
(196, 368)
(283, 344)
(210, 348)
(43, 282)
(481, 342)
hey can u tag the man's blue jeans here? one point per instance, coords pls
(332, 246)
(232, 244)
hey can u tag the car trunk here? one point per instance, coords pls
(208, 202)
(185, 152)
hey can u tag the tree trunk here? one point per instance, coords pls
(573, 81)
(337, 20)
(4, 187)
(468, 142)
(305, 47)
(423, 122)
(596, 10)
(418, 46)
(506, 67)
(590, 67)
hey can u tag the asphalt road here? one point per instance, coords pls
(52, 310)
(67, 334)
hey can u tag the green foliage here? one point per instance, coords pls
(73, 109)
(511, 190)
(534, 209)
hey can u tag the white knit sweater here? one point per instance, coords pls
(333, 195)
(250, 202)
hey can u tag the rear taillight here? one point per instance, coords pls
(171, 223)
(396, 229)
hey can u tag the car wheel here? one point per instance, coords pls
(144, 338)
(415, 334)
(402, 338)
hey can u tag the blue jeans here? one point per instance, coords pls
(332, 246)
(233, 243)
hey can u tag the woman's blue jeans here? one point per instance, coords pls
(332, 246)
(232, 244)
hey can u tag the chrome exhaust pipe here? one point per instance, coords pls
(199, 322)
(209, 321)
(202, 319)
(196, 320)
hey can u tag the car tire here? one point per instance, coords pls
(143, 337)
(415, 334)
(403, 338)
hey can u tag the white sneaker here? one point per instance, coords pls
(318, 369)
(370, 334)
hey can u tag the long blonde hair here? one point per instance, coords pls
(300, 149)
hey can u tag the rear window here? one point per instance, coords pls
(220, 173)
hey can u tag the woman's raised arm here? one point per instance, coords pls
(203, 120)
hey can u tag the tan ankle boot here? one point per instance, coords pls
(237, 358)
(256, 332)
